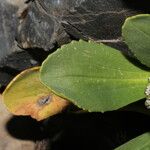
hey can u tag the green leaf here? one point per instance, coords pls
(26, 95)
(141, 142)
(94, 76)
(136, 32)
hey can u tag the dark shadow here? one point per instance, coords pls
(73, 32)
(2, 88)
(38, 54)
(138, 106)
(121, 46)
(143, 5)
(81, 130)
(9, 70)
(25, 128)
(6, 75)
(94, 130)
(19, 61)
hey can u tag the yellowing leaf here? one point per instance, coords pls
(26, 95)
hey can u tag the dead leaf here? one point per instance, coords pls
(26, 95)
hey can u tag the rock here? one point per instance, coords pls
(49, 22)
(46, 24)
(12, 65)
(10, 58)
(99, 19)
(10, 12)
(8, 28)
(39, 30)
(17, 62)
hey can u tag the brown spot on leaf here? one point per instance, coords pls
(44, 100)
(49, 106)
(26, 95)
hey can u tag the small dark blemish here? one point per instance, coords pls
(44, 100)
(23, 14)
(27, 1)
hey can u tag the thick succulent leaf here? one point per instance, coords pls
(141, 142)
(26, 95)
(136, 32)
(94, 76)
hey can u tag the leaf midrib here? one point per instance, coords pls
(96, 77)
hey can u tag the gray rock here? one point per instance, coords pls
(49, 21)
(12, 65)
(8, 24)
(39, 30)
(99, 19)
(19, 61)
(12, 58)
